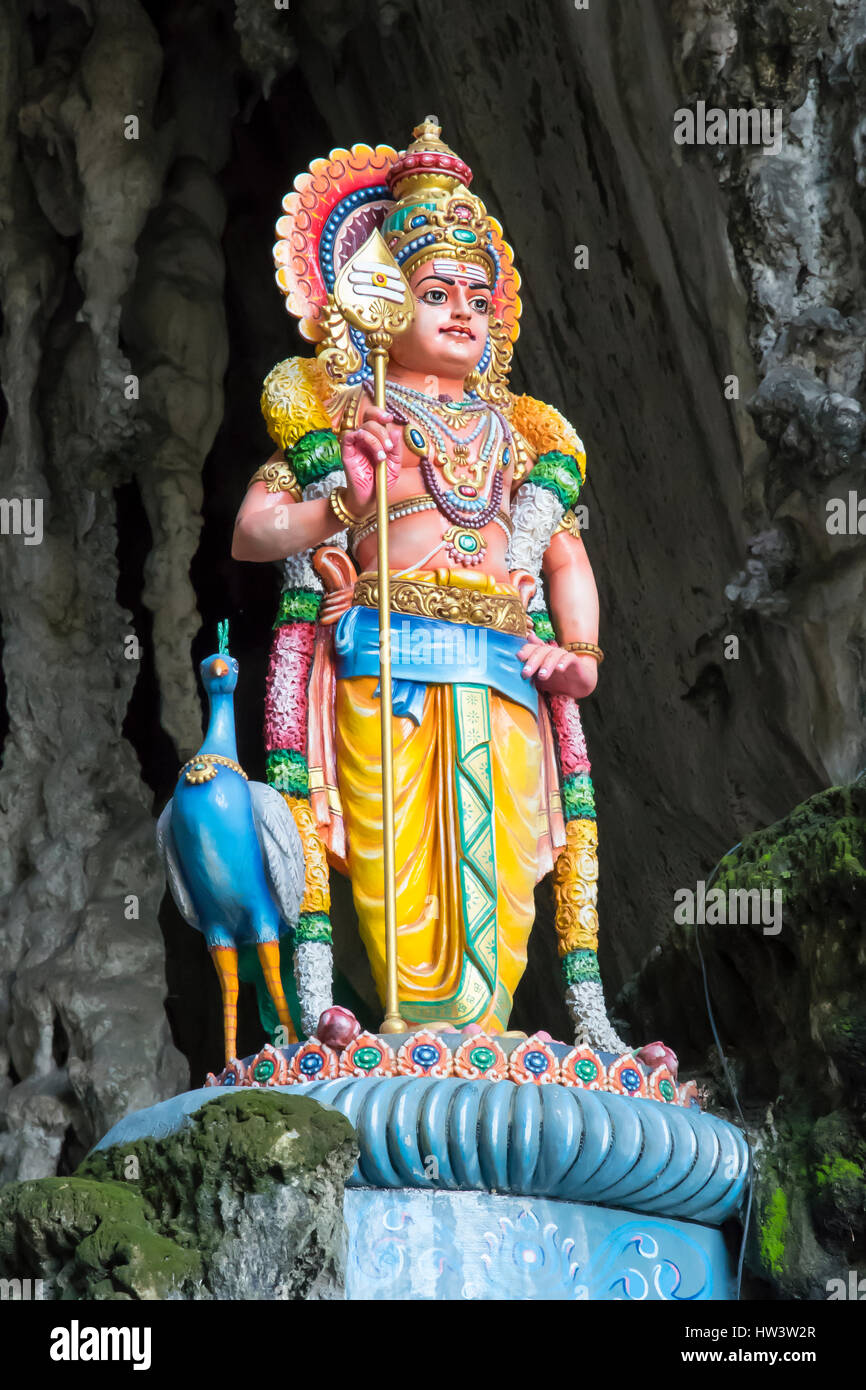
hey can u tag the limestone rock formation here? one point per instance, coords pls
(245, 1202)
(796, 227)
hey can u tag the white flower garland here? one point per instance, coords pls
(535, 516)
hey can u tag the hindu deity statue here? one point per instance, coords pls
(494, 610)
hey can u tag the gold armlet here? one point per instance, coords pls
(570, 524)
(277, 476)
(585, 649)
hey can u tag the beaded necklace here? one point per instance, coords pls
(463, 503)
(421, 409)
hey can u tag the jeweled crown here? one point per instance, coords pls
(434, 214)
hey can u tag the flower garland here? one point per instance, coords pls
(314, 459)
(549, 491)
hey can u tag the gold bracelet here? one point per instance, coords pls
(339, 508)
(585, 649)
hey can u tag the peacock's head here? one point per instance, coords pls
(219, 674)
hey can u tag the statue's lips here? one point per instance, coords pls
(459, 332)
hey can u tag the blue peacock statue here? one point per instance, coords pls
(232, 854)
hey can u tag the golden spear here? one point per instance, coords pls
(373, 295)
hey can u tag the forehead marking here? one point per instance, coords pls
(466, 269)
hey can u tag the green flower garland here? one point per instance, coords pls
(560, 474)
(314, 456)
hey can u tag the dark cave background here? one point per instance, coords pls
(153, 257)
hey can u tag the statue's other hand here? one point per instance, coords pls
(557, 671)
(334, 605)
(361, 449)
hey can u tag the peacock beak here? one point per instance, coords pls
(219, 667)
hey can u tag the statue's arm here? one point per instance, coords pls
(281, 514)
(273, 525)
(573, 600)
(556, 479)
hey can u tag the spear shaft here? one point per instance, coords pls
(392, 1022)
(373, 295)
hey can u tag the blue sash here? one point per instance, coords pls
(425, 651)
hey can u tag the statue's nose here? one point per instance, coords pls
(220, 667)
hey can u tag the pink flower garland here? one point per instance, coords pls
(286, 693)
(573, 756)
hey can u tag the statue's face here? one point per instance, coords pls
(449, 331)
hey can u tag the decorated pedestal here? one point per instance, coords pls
(509, 1186)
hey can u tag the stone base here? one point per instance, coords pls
(408, 1244)
(493, 1190)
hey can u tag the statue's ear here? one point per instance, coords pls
(334, 567)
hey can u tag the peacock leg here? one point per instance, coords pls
(269, 958)
(225, 958)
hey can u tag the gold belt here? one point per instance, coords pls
(446, 597)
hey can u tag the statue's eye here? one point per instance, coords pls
(435, 297)
(480, 304)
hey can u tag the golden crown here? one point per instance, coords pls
(434, 214)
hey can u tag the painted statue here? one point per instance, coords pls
(493, 605)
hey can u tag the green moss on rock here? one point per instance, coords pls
(79, 1235)
(264, 1135)
(774, 1229)
(254, 1180)
(838, 1172)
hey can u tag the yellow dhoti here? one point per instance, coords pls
(467, 794)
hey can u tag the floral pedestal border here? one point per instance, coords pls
(533, 1062)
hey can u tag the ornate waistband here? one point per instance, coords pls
(446, 596)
